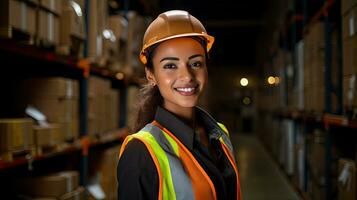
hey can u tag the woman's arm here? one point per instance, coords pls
(137, 174)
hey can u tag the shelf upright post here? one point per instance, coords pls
(84, 104)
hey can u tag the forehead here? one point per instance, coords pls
(177, 47)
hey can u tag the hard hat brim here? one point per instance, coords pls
(208, 38)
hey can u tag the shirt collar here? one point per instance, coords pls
(181, 130)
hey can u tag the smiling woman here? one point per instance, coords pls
(178, 151)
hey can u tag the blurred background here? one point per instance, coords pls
(282, 79)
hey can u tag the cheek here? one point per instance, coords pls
(202, 77)
(164, 81)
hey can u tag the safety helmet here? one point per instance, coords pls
(173, 24)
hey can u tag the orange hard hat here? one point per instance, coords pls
(173, 24)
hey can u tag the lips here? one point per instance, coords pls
(187, 91)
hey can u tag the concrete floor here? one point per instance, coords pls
(260, 176)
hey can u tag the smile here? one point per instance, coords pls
(187, 91)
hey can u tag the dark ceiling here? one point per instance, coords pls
(236, 25)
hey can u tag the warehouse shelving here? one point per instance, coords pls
(27, 60)
(110, 138)
(334, 124)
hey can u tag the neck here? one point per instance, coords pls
(185, 114)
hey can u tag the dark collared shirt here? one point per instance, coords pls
(137, 174)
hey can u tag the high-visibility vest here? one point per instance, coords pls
(180, 174)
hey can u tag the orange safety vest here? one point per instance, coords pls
(180, 174)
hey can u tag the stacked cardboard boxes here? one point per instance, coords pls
(72, 28)
(57, 99)
(316, 157)
(48, 22)
(132, 105)
(61, 185)
(107, 171)
(15, 136)
(315, 69)
(17, 15)
(103, 106)
(349, 43)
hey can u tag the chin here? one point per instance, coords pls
(188, 104)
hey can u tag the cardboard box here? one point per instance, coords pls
(52, 5)
(349, 23)
(17, 15)
(15, 134)
(52, 185)
(350, 91)
(72, 31)
(49, 87)
(48, 27)
(347, 5)
(349, 56)
(48, 135)
(347, 179)
(107, 172)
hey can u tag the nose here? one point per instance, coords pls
(186, 73)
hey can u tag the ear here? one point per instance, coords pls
(150, 76)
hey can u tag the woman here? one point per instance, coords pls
(179, 151)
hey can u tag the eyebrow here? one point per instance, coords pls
(194, 56)
(175, 58)
(169, 58)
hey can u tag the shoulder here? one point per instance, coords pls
(136, 156)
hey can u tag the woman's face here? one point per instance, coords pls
(180, 72)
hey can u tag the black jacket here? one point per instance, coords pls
(137, 174)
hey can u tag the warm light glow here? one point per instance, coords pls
(119, 76)
(246, 101)
(271, 80)
(244, 82)
(277, 80)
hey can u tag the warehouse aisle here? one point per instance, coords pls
(260, 176)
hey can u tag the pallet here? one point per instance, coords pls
(10, 156)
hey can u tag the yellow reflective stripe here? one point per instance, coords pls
(168, 191)
(172, 143)
(223, 127)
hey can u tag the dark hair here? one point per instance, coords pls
(150, 96)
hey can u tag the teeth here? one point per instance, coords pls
(185, 89)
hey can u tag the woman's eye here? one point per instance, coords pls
(197, 64)
(169, 66)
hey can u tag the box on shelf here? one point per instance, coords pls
(132, 105)
(103, 106)
(17, 15)
(52, 185)
(48, 32)
(106, 174)
(45, 136)
(346, 179)
(72, 29)
(350, 91)
(347, 5)
(15, 134)
(349, 58)
(52, 5)
(56, 98)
